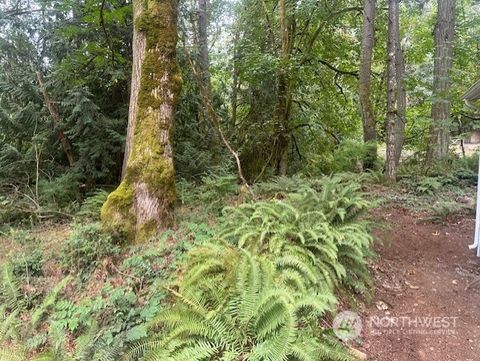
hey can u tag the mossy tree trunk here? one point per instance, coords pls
(142, 205)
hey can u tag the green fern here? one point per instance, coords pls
(257, 291)
(90, 208)
(8, 325)
(310, 235)
(10, 294)
(11, 354)
(256, 320)
(48, 301)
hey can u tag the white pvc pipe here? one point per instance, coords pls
(477, 216)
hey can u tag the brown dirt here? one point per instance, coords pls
(424, 270)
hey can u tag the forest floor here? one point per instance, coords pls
(426, 300)
(425, 306)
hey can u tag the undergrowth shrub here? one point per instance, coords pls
(210, 194)
(442, 209)
(349, 156)
(454, 174)
(15, 210)
(236, 311)
(11, 297)
(60, 192)
(86, 246)
(256, 290)
(28, 264)
(90, 208)
(21, 236)
(321, 225)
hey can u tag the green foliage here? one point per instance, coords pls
(454, 175)
(442, 209)
(258, 288)
(88, 347)
(349, 156)
(9, 325)
(320, 226)
(86, 247)
(90, 208)
(245, 316)
(48, 301)
(281, 185)
(21, 236)
(59, 192)
(211, 193)
(10, 294)
(14, 210)
(28, 264)
(428, 185)
(11, 354)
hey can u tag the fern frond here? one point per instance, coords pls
(48, 301)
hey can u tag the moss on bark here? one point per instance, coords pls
(143, 203)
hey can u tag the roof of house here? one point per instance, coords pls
(473, 93)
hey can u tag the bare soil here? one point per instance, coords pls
(426, 305)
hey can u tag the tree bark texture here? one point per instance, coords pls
(138, 48)
(401, 95)
(284, 98)
(235, 81)
(203, 58)
(392, 89)
(364, 81)
(142, 205)
(441, 105)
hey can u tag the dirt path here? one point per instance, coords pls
(422, 309)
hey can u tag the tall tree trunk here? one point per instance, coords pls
(203, 59)
(57, 120)
(401, 96)
(143, 203)
(364, 81)
(441, 104)
(392, 88)
(204, 75)
(138, 47)
(282, 111)
(235, 82)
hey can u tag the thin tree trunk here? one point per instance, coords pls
(401, 96)
(283, 92)
(215, 121)
(57, 120)
(235, 83)
(138, 47)
(203, 59)
(364, 81)
(392, 87)
(142, 205)
(441, 104)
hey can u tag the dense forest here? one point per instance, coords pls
(202, 180)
